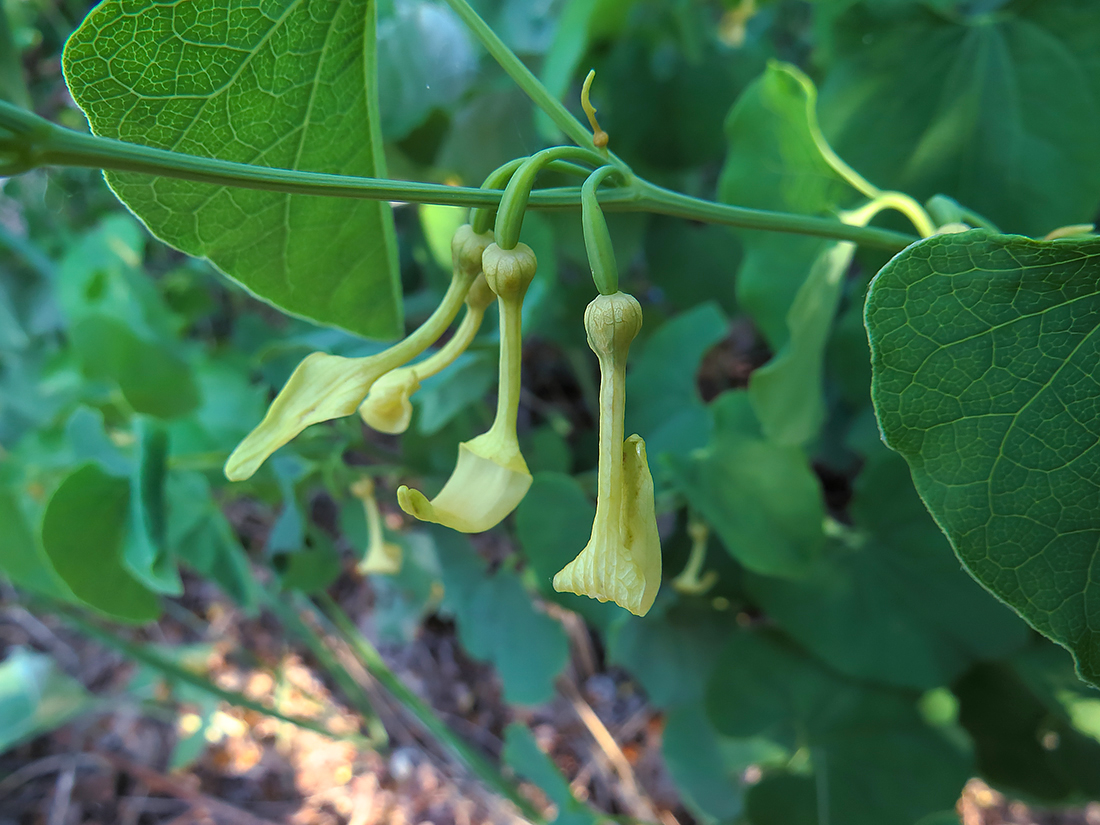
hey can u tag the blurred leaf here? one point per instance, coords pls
(1024, 737)
(523, 755)
(774, 163)
(444, 395)
(199, 536)
(490, 128)
(866, 606)
(36, 697)
(23, 560)
(154, 380)
(692, 263)
(662, 97)
(762, 498)
(83, 530)
(146, 554)
(439, 224)
(309, 569)
(12, 87)
(711, 788)
(498, 623)
(665, 407)
(1001, 114)
(984, 353)
(788, 392)
(874, 759)
(288, 91)
(425, 60)
(553, 524)
(783, 799)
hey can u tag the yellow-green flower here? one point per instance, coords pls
(491, 477)
(387, 407)
(324, 386)
(622, 560)
(382, 556)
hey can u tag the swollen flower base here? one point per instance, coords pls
(491, 477)
(622, 560)
(324, 386)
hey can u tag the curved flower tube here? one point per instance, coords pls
(622, 560)
(382, 556)
(387, 407)
(325, 386)
(689, 582)
(491, 477)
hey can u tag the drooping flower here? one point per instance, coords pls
(325, 386)
(382, 556)
(491, 477)
(387, 407)
(622, 560)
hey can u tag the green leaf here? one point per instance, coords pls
(446, 394)
(762, 498)
(664, 404)
(887, 601)
(874, 760)
(426, 60)
(1001, 112)
(553, 524)
(22, 557)
(36, 697)
(774, 163)
(523, 755)
(671, 655)
(788, 392)
(1020, 714)
(199, 536)
(289, 87)
(497, 622)
(146, 554)
(83, 531)
(692, 263)
(154, 380)
(693, 752)
(983, 352)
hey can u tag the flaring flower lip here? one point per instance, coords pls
(323, 387)
(483, 489)
(622, 560)
(387, 407)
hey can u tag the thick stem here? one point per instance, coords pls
(511, 369)
(460, 341)
(609, 483)
(48, 145)
(428, 333)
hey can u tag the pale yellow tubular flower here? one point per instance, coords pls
(324, 386)
(388, 407)
(382, 556)
(622, 560)
(689, 582)
(491, 477)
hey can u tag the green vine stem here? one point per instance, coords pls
(597, 240)
(28, 141)
(513, 204)
(526, 80)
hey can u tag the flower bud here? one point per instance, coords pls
(612, 322)
(467, 247)
(509, 271)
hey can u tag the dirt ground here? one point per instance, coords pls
(111, 767)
